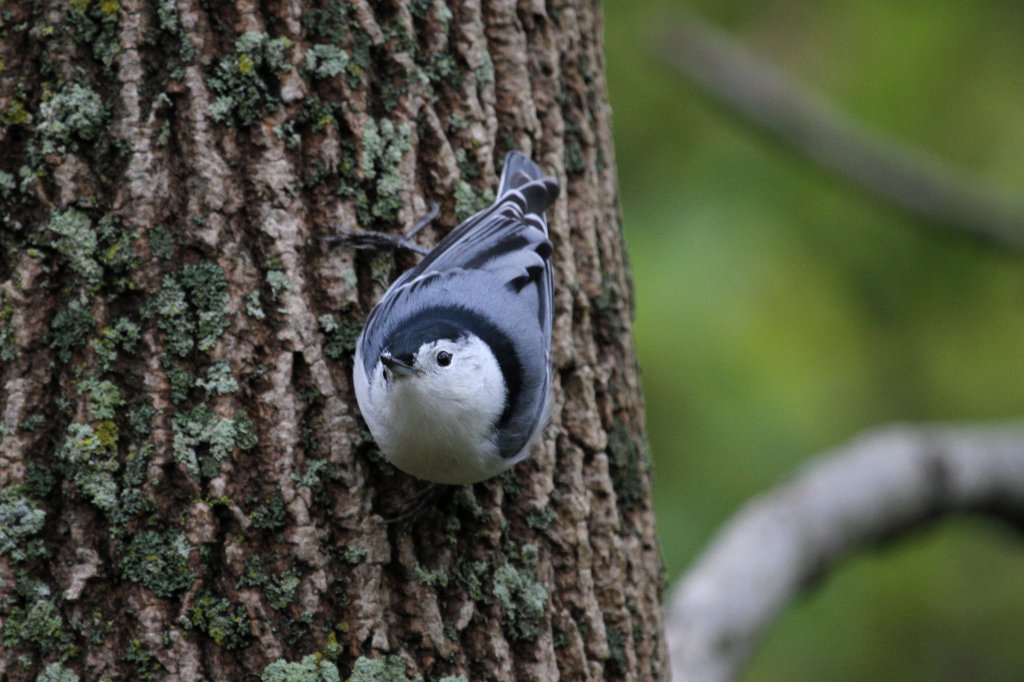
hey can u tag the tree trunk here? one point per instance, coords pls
(188, 491)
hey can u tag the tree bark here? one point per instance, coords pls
(188, 491)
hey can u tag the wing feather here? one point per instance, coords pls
(509, 237)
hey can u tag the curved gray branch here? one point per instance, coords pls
(883, 484)
(884, 165)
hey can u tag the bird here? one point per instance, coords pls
(452, 371)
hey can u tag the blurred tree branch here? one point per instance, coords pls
(883, 485)
(884, 165)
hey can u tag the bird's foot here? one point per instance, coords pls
(369, 239)
(411, 509)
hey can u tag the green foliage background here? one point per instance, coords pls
(781, 311)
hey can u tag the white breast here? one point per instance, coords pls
(439, 426)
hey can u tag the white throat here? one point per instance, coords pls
(439, 422)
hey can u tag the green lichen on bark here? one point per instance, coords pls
(56, 672)
(325, 61)
(339, 336)
(76, 241)
(33, 618)
(7, 340)
(104, 398)
(384, 669)
(278, 283)
(20, 519)
(629, 462)
(122, 335)
(192, 309)
(218, 380)
(522, 597)
(161, 243)
(245, 81)
(170, 23)
(312, 668)
(384, 144)
(73, 114)
(93, 249)
(217, 618)
(158, 560)
(94, 24)
(279, 589)
(270, 515)
(202, 440)
(71, 328)
(335, 24)
(88, 457)
(354, 555)
(469, 200)
(144, 662)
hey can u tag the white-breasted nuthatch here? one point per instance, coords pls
(452, 370)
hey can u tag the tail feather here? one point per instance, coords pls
(518, 171)
(521, 173)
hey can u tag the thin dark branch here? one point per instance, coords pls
(877, 488)
(791, 112)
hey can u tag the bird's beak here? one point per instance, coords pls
(398, 367)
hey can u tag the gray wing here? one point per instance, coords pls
(508, 239)
(510, 234)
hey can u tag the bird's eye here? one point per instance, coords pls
(444, 358)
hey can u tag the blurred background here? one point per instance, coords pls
(780, 311)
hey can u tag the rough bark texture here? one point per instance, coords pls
(188, 491)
